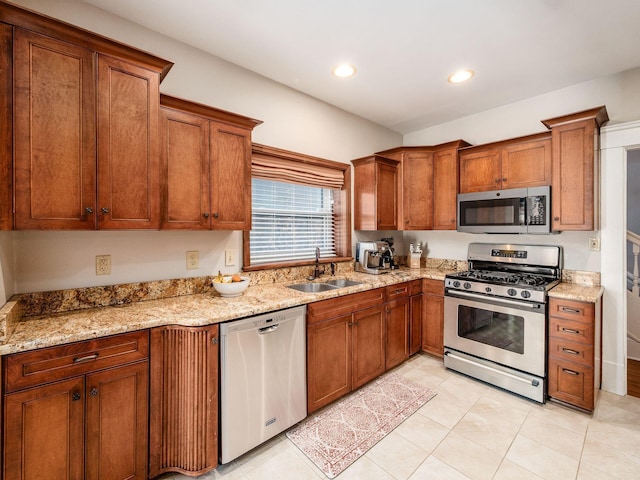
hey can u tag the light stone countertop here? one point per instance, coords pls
(209, 308)
(189, 310)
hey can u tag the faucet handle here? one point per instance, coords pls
(333, 268)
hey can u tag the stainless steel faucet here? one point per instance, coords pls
(316, 271)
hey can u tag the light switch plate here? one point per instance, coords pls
(229, 257)
(193, 260)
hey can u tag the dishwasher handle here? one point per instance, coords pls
(269, 329)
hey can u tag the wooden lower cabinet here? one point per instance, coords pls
(368, 346)
(397, 324)
(184, 400)
(102, 417)
(415, 317)
(433, 317)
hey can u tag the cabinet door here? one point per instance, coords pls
(572, 189)
(527, 164)
(433, 317)
(415, 324)
(480, 171)
(230, 177)
(397, 343)
(44, 432)
(55, 145)
(184, 398)
(6, 127)
(386, 189)
(445, 189)
(328, 361)
(184, 170)
(417, 191)
(128, 145)
(117, 423)
(368, 331)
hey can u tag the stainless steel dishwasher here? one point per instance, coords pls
(262, 379)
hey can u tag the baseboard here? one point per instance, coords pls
(614, 378)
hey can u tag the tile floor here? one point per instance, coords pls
(473, 431)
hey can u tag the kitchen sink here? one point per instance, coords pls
(313, 287)
(343, 282)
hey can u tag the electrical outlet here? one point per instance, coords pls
(193, 260)
(103, 264)
(594, 243)
(229, 257)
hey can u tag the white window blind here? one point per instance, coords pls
(290, 221)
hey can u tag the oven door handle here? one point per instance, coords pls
(534, 382)
(501, 301)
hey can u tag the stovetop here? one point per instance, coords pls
(533, 281)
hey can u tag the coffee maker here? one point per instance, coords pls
(373, 257)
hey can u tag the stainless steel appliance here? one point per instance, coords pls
(495, 315)
(373, 257)
(262, 379)
(516, 210)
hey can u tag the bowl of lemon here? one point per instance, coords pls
(230, 285)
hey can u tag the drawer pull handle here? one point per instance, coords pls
(399, 290)
(570, 330)
(87, 358)
(570, 310)
(569, 351)
(570, 372)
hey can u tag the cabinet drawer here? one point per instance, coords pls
(571, 383)
(334, 307)
(434, 287)
(416, 287)
(571, 351)
(572, 331)
(572, 310)
(37, 367)
(397, 291)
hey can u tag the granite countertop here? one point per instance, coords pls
(209, 308)
(188, 310)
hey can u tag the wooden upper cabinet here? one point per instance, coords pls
(417, 191)
(6, 127)
(445, 185)
(55, 142)
(128, 145)
(516, 163)
(575, 157)
(375, 193)
(206, 167)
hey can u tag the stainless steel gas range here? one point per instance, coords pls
(495, 315)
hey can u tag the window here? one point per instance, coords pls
(298, 203)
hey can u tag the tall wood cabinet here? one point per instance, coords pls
(375, 193)
(515, 163)
(85, 124)
(206, 167)
(78, 411)
(575, 185)
(184, 400)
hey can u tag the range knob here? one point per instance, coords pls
(512, 292)
(487, 289)
(525, 294)
(467, 285)
(456, 283)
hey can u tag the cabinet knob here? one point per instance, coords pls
(205, 215)
(556, 219)
(497, 180)
(504, 179)
(75, 396)
(94, 392)
(104, 210)
(88, 210)
(215, 215)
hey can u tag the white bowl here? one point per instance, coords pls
(231, 289)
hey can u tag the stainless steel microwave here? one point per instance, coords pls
(516, 210)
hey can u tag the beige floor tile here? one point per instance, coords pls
(623, 438)
(562, 416)
(611, 457)
(422, 432)
(443, 409)
(434, 469)
(502, 409)
(462, 390)
(284, 464)
(364, 468)
(589, 472)
(473, 460)
(397, 455)
(547, 432)
(512, 471)
(484, 432)
(542, 460)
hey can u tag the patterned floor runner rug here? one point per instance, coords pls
(336, 436)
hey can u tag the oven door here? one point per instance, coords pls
(508, 332)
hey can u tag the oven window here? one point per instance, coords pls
(500, 330)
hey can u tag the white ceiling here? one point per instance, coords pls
(405, 49)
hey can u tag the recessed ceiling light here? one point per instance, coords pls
(344, 70)
(461, 76)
